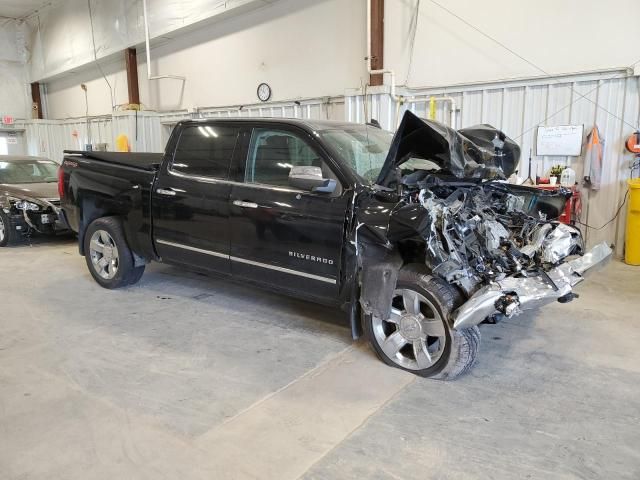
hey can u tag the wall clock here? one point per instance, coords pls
(264, 92)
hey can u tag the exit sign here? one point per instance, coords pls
(7, 120)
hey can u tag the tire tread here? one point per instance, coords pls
(129, 273)
(12, 237)
(464, 344)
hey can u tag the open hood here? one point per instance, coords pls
(481, 151)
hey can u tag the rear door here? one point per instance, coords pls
(282, 236)
(191, 197)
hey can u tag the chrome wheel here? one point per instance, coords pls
(104, 254)
(2, 229)
(414, 337)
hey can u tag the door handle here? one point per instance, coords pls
(164, 191)
(239, 203)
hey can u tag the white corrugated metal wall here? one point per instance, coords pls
(316, 108)
(515, 107)
(48, 138)
(147, 131)
(609, 100)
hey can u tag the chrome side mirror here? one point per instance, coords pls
(311, 179)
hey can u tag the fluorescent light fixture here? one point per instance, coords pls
(211, 131)
(204, 132)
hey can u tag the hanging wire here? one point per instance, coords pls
(95, 56)
(413, 29)
(530, 63)
(573, 102)
(624, 200)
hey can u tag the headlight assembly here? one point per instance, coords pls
(24, 205)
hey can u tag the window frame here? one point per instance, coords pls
(171, 170)
(303, 135)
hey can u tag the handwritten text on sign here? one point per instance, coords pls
(560, 140)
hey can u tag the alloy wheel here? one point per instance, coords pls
(414, 336)
(104, 254)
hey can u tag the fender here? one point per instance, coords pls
(379, 267)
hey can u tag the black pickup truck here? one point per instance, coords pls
(416, 235)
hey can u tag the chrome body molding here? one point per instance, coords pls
(192, 249)
(248, 262)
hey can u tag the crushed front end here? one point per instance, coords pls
(29, 215)
(494, 242)
(498, 243)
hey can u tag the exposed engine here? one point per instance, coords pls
(477, 233)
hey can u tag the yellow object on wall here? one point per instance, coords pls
(432, 108)
(122, 143)
(632, 240)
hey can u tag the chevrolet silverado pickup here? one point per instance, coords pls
(416, 235)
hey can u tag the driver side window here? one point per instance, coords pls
(273, 153)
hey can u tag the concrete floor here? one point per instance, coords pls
(184, 376)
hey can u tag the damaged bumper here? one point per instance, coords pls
(512, 295)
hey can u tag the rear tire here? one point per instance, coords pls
(108, 256)
(418, 337)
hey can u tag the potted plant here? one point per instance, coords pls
(556, 173)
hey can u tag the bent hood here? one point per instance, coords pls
(480, 151)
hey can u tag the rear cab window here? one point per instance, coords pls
(205, 150)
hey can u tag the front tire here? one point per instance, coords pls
(417, 337)
(108, 256)
(8, 236)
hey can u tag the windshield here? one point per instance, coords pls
(363, 148)
(33, 171)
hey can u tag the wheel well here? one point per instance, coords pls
(412, 250)
(90, 213)
(380, 268)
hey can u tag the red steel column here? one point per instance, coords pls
(36, 100)
(377, 40)
(131, 61)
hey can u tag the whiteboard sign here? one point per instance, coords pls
(563, 140)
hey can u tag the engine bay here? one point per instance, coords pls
(480, 232)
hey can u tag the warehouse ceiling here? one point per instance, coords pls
(72, 36)
(21, 8)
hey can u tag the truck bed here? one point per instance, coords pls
(100, 184)
(144, 161)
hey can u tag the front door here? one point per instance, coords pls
(282, 236)
(191, 198)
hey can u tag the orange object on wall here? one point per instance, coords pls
(633, 143)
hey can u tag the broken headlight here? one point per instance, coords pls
(24, 205)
